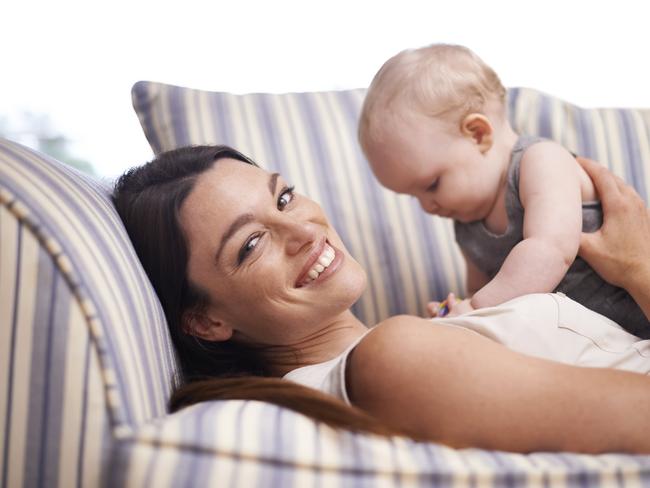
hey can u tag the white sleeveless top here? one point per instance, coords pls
(545, 325)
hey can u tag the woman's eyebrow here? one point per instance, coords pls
(240, 221)
(273, 181)
(243, 219)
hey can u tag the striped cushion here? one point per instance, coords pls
(84, 350)
(311, 139)
(618, 138)
(238, 443)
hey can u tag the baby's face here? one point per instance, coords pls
(433, 161)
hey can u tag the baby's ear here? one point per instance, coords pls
(478, 127)
(206, 327)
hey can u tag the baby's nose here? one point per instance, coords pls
(428, 205)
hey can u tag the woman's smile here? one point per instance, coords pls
(323, 261)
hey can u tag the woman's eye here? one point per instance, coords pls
(434, 185)
(285, 198)
(247, 248)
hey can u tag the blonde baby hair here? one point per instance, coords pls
(440, 80)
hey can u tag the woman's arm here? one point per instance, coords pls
(620, 250)
(454, 386)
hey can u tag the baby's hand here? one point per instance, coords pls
(449, 307)
(437, 309)
(459, 307)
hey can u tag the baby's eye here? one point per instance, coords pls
(247, 248)
(286, 197)
(434, 186)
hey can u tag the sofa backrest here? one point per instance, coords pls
(311, 139)
(84, 351)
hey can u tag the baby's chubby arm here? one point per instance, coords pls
(549, 189)
(476, 279)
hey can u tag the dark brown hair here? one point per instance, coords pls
(313, 403)
(148, 199)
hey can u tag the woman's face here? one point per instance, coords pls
(275, 270)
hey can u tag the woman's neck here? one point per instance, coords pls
(323, 345)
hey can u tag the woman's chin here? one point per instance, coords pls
(356, 283)
(350, 283)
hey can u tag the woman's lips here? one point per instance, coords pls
(311, 261)
(331, 269)
(326, 273)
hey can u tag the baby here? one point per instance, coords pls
(434, 125)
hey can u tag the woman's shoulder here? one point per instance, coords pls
(392, 354)
(406, 331)
(390, 336)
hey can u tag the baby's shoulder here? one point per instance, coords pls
(544, 162)
(546, 149)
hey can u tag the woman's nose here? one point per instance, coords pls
(299, 233)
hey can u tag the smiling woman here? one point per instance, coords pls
(206, 205)
(268, 240)
(276, 303)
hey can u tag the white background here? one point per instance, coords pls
(77, 60)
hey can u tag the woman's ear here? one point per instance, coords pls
(204, 327)
(478, 127)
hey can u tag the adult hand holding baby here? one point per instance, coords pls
(620, 250)
(519, 202)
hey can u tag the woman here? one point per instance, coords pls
(256, 285)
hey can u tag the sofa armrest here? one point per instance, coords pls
(250, 443)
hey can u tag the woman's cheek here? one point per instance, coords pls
(265, 282)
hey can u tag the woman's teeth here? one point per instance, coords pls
(323, 261)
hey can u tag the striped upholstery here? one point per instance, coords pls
(84, 352)
(311, 139)
(86, 364)
(618, 138)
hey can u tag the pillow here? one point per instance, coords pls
(616, 137)
(310, 138)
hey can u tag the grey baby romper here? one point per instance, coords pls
(488, 251)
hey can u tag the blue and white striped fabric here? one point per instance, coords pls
(85, 356)
(618, 138)
(311, 139)
(86, 364)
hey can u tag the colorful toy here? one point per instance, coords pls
(443, 309)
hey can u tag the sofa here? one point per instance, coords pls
(86, 362)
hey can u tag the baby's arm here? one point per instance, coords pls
(549, 189)
(476, 279)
